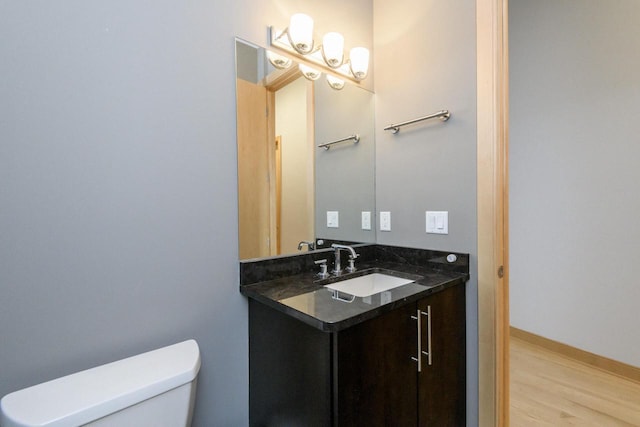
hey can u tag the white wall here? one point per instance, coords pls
(297, 217)
(118, 207)
(425, 61)
(575, 97)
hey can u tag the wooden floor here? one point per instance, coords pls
(548, 389)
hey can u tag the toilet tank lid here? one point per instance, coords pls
(92, 394)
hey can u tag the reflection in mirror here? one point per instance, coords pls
(286, 184)
(345, 173)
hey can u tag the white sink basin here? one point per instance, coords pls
(363, 286)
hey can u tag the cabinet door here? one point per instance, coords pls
(289, 370)
(375, 376)
(442, 380)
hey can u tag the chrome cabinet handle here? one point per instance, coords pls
(419, 358)
(428, 352)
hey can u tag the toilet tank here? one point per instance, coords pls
(156, 388)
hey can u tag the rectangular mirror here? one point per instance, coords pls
(286, 183)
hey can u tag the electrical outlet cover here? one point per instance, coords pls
(385, 221)
(366, 220)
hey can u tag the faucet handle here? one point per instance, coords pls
(323, 274)
(352, 267)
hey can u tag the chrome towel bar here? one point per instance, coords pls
(443, 115)
(327, 145)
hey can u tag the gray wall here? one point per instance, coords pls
(424, 62)
(118, 212)
(575, 98)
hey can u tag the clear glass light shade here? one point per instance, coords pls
(279, 61)
(301, 33)
(359, 59)
(333, 49)
(309, 73)
(335, 82)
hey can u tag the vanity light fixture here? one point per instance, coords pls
(359, 57)
(300, 33)
(330, 55)
(309, 73)
(279, 61)
(333, 49)
(335, 82)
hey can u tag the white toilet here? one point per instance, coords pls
(154, 389)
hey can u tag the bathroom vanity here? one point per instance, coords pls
(324, 357)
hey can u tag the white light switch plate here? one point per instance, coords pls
(437, 222)
(332, 219)
(366, 220)
(385, 221)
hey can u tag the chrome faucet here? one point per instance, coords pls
(337, 269)
(310, 245)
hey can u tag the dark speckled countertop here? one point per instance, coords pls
(304, 297)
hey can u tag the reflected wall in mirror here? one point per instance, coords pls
(286, 184)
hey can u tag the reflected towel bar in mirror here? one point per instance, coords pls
(327, 145)
(443, 115)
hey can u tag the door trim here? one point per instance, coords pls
(492, 191)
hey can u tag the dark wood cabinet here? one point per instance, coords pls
(442, 383)
(375, 378)
(366, 374)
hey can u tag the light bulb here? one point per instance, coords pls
(279, 61)
(333, 49)
(301, 33)
(359, 59)
(335, 82)
(309, 73)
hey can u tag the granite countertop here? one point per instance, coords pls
(304, 297)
